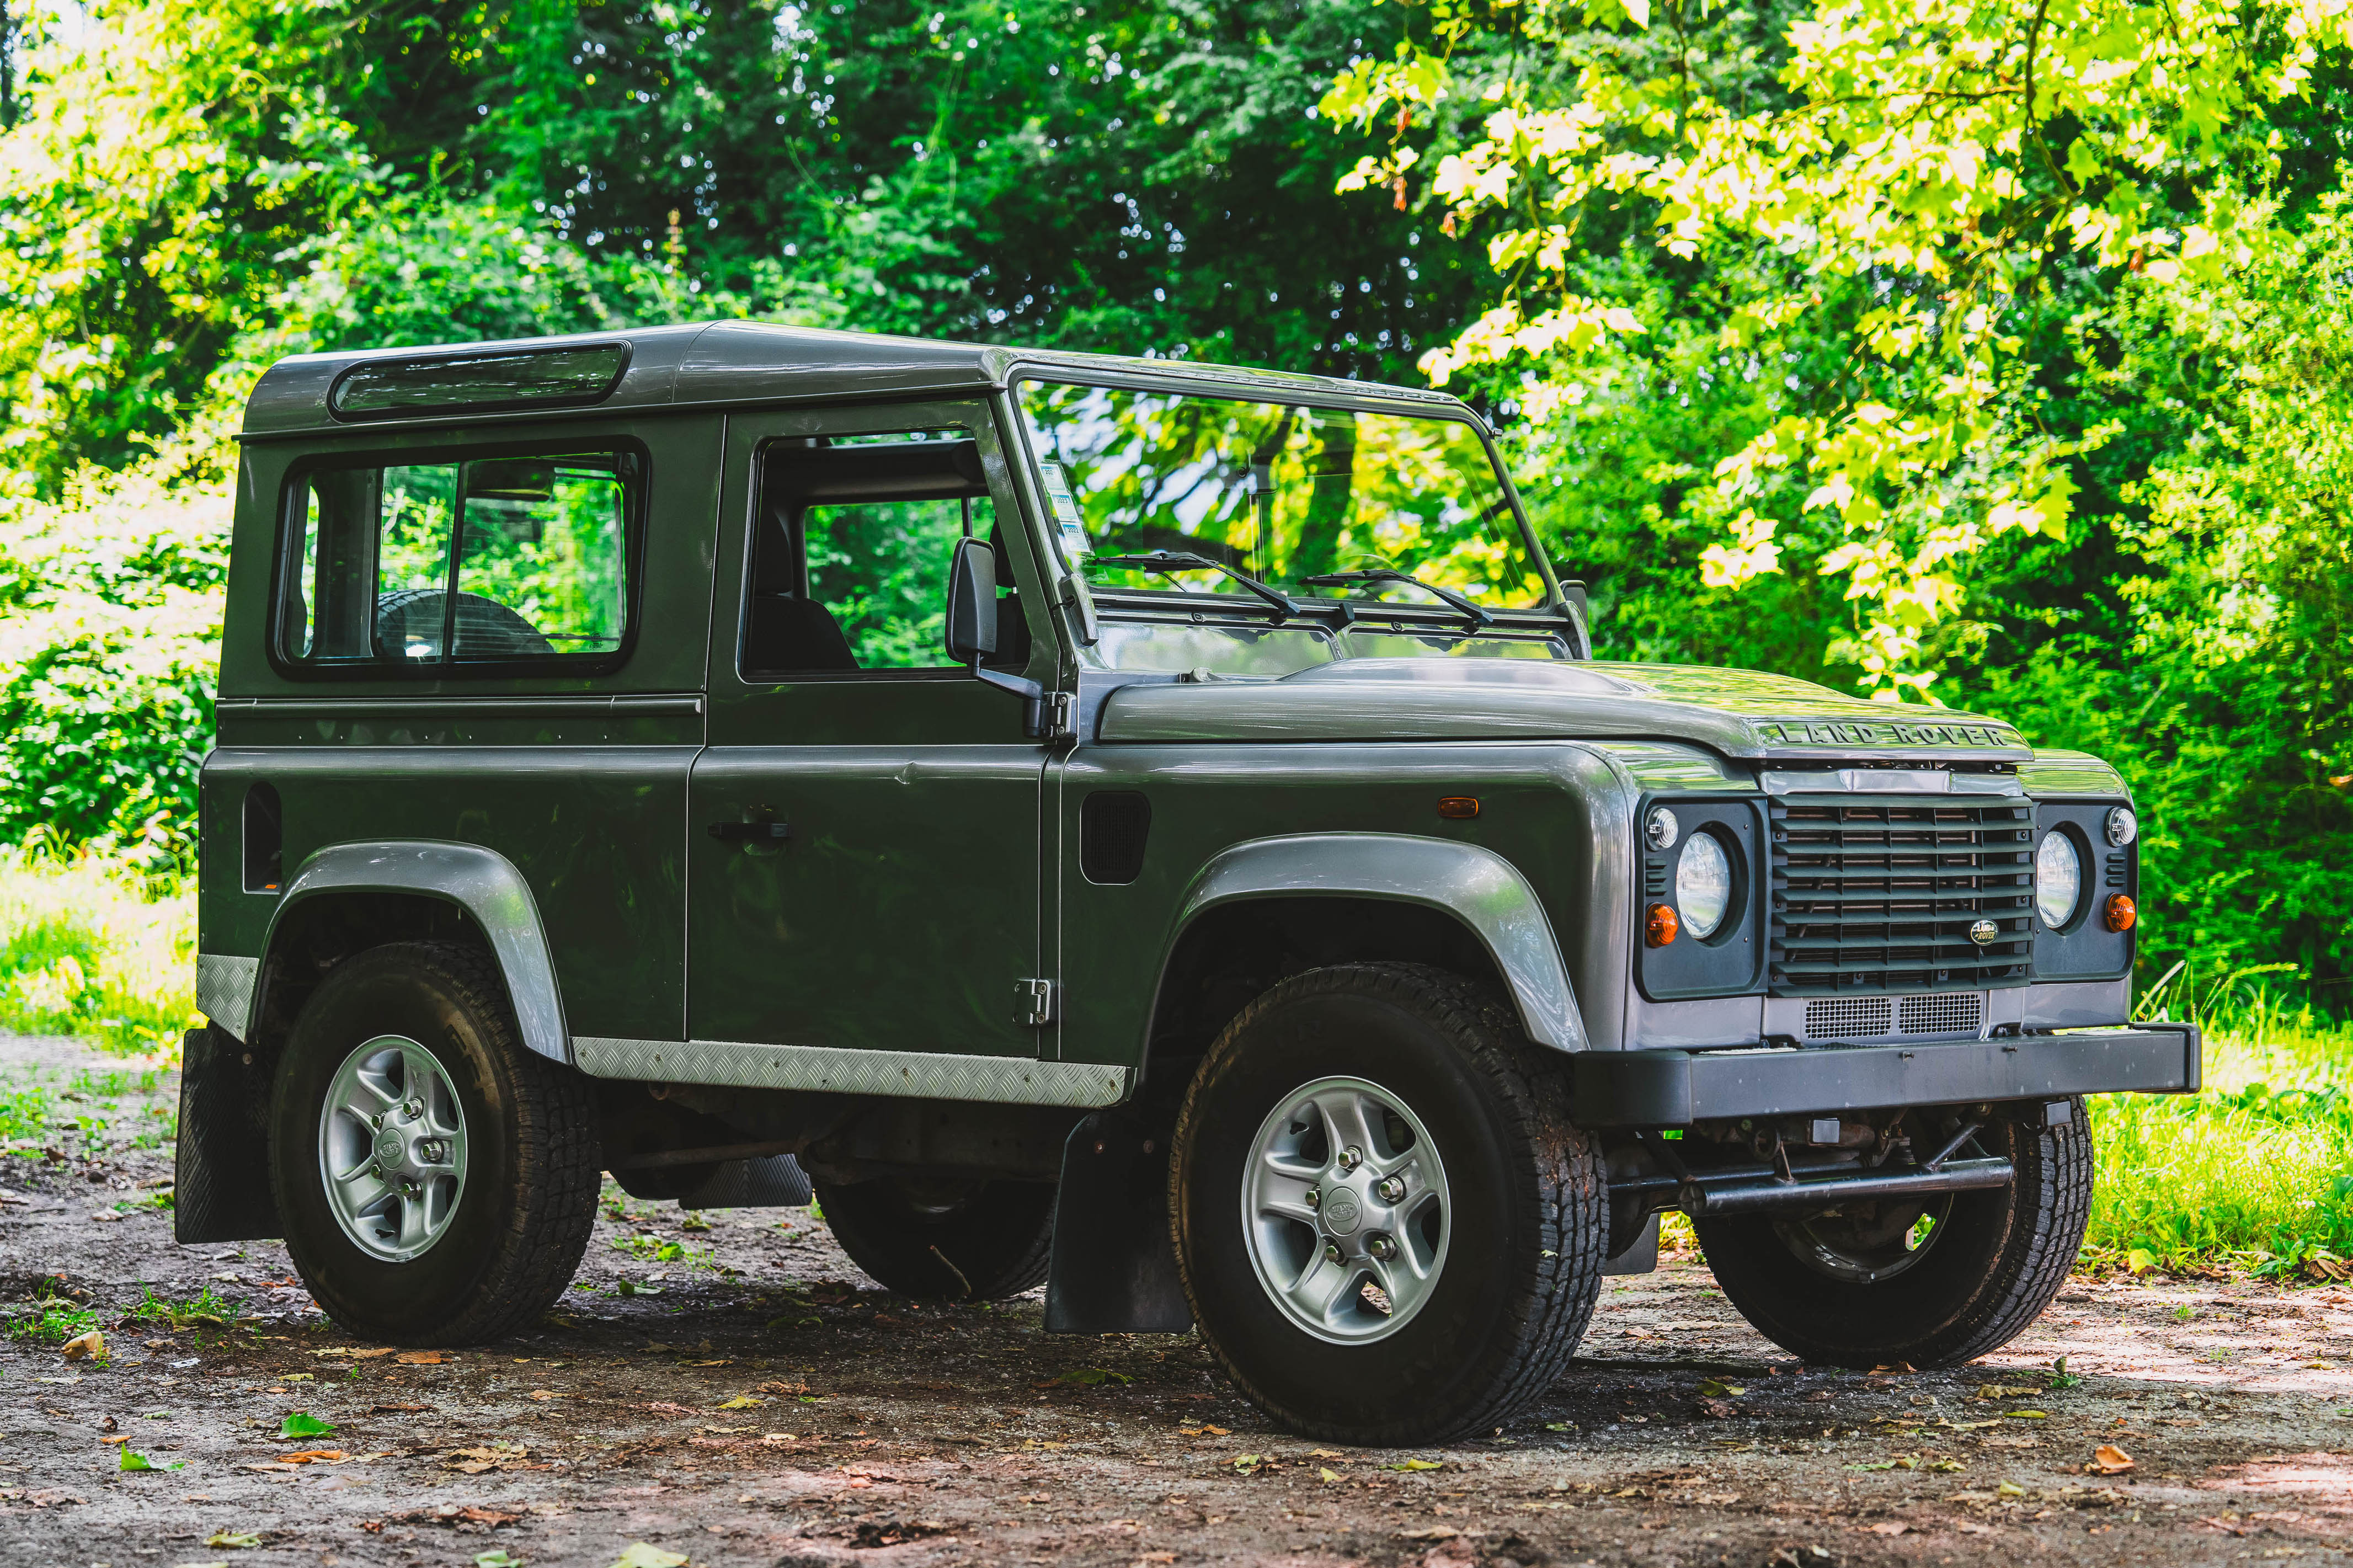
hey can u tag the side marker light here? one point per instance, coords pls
(1458, 807)
(2122, 912)
(1663, 925)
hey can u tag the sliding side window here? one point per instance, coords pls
(487, 560)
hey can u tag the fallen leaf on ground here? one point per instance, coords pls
(2010, 1488)
(91, 1345)
(642, 1555)
(133, 1459)
(355, 1355)
(1435, 1532)
(313, 1455)
(1891, 1526)
(420, 1358)
(551, 1394)
(496, 1456)
(1418, 1465)
(2005, 1390)
(233, 1538)
(2027, 1415)
(1205, 1430)
(1717, 1409)
(1715, 1389)
(303, 1424)
(1156, 1557)
(1327, 1474)
(498, 1559)
(2107, 1459)
(741, 1402)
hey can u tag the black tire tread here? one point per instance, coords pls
(922, 1278)
(545, 1232)
(1548, 1311)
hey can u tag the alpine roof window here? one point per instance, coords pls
(467, 563)
(480, 382)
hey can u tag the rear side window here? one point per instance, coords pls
(483, 560)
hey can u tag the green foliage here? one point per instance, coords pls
(92, 948)
(206, 1309)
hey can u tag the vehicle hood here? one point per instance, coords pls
(1736, 712)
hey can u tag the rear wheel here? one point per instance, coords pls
(1933, 1281)
(944, 1238)
(436, 1181)
(1388, 1229)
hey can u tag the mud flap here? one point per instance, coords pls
(1642, 1254)
(777, 1181)
(1115, 1266)
(221, 1185)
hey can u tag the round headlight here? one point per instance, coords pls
(2058, 880)
(2122, 826)
(1703, 885)
(1661, 828)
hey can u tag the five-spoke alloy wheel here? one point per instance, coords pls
(436, 1181)
(1388, 1229)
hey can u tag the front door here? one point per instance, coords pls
(863, 870)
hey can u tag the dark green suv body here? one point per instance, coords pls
(1154, 829)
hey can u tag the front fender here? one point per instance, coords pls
(1475, 886)
(482, 883)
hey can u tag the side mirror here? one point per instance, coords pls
(971, 633)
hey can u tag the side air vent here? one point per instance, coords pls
(1114, 825)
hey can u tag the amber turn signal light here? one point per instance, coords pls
(2122, 912)
(1663, 925)
(1459, 807)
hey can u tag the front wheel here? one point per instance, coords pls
(1931, 1282)
(436, 1181)
(1388, 1229)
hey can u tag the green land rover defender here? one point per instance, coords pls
(1152, 829)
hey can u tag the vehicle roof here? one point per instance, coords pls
(724, 363)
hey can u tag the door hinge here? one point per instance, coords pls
(1034, 1002)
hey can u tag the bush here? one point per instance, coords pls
(96, 949)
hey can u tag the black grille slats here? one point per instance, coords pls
(1877, 895)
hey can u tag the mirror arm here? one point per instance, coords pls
(1035, 702)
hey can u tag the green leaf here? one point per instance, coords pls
(233, 1538)
(303, 1424)
(641, 1554)
(1420, 1465)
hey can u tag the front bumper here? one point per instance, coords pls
(1676, 1088)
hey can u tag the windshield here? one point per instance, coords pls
(1282, 492)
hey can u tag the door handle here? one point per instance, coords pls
(751, 832)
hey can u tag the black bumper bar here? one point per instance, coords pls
(1676, 1088)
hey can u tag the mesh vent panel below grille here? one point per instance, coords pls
(1947, 1015)
(1843, 1017)
(1883, 894)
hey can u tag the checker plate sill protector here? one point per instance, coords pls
(921, 1074)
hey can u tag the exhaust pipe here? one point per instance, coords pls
(1752, 1195)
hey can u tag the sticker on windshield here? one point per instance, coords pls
(1065, 507)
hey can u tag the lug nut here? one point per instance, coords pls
(1391, 1188)
(414, 1108)
(1315, 1197)
(1351, 1157)
(1331, 1252)
(1380, 1246)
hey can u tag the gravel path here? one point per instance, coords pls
(742, 1395)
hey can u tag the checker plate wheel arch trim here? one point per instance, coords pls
(917, 1075)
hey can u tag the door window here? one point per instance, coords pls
(852, 552)
(485, 561)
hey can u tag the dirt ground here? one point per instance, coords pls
(742, 1396)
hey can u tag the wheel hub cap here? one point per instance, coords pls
(1345, 1210)
(392, 1148)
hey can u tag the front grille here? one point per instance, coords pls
(1880, 895)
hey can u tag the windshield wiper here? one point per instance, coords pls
(1480, 616)
(1186, 561)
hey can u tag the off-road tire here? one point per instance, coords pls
(1528, 1213)
(945, 1240)
(2002, 1255)
(523, 1218)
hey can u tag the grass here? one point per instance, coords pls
(92, 949)
(2254, 1174)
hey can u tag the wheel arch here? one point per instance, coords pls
(350, 896)
(1268, 907)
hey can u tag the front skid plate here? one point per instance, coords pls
(1675, 1088)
